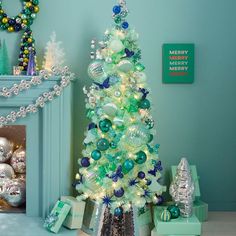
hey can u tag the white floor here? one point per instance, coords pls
(219, 224)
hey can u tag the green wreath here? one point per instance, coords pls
(23, 20)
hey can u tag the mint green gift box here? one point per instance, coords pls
(74, 219)
(61, 209)
(176, 227)
(144, 221)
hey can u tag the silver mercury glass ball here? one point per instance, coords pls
(6, 149)
(6, 171)
(18, 161)
(15, 192)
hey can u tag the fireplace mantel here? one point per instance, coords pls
(48, 144)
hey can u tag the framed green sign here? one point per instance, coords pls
(178, 63)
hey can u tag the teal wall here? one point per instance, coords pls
(197, 121)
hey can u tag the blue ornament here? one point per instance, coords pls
(92, 126)
(125, 25)
(144, 104)
(160, 200)
(128, 165)
(96, 155)
(141, 157)
(141, 174)
(85, 162)
(119, 193)
(117, 9)
(103, 144)
(148, 182)
(118, 211)
(105, 125)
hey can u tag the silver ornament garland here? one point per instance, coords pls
(182, 188)
(66, 77)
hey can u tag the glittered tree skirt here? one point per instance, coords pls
(117, 225)
(99, 221)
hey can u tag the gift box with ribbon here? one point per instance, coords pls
(74, 219)
(55, 219)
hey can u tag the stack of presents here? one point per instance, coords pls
(74, 214)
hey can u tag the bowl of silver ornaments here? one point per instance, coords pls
(6, 149)
(15, 192)
(18, 161)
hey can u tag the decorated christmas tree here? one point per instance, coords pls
(119, 166)
(54, 55)
(4, 60)
(27, 46)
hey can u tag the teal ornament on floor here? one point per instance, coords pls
(174, 211)
(105, 125)
(141, 157)
(165, 215)
(103, 144)
(96, 155)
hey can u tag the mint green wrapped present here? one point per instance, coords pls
(74, 219)
(55, 219)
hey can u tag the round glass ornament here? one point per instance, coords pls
(141, 157)
(105, 125)
(96, 71)
(96, 155)
(174, 211)
(103, 144)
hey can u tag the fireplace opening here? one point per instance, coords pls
(13, 169)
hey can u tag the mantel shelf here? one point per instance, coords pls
(23, 77)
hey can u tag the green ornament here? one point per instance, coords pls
(35, 2)
(112, 167)
(103, 144)
(141, 157)
(140, 67)
(105, 125)
(128, 165)
(165, 215)
(150, 138)
(144, 104)
(118, 19)
(174, 211)
(133, 107)
(102, 171)
(113, 145)
(96, 155)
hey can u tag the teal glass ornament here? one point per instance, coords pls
(144, 104)
(103, 144)
(113, 145)
(141, 157)
(150, 138)
(174, 211)
(96, 155)
(105, 125)
(128, 165)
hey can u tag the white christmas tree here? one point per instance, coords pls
(54, 54)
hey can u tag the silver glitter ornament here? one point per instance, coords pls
(18, 161)
(15, 192)
(6, 171)
(182, 188)
(6, 149)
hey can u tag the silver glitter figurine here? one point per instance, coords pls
(182, 188)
